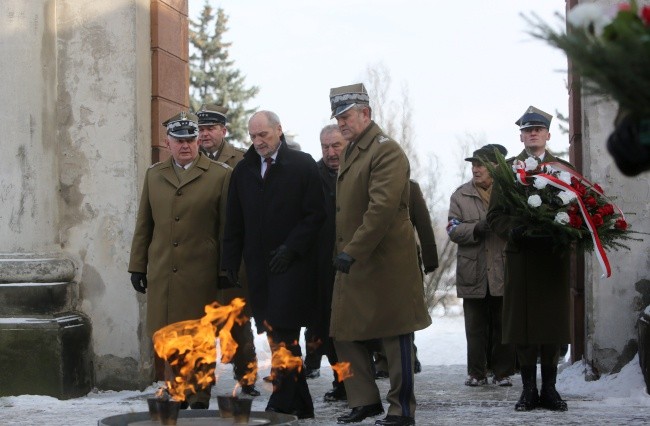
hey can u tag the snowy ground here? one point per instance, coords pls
(442, 398)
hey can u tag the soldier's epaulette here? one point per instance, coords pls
(155, 164)
(383, 138)
(224, 165)
(242, 150)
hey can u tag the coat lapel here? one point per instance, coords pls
(167, 171)
(361, 145)
(202, 164)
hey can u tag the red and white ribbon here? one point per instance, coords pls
(600, 251)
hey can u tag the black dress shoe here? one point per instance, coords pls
(250, 390)
(390, 420)
(336, 394)
(359, 413)
(184, 405)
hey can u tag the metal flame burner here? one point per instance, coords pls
(198, 418)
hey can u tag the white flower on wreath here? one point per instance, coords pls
(562, 218)
(565, 177)
(589, 15)
(566, 196)
(540, 183)
(531, 164)
(518, 165)
(534, 200)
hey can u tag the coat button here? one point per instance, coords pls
(177, 218)
(179, 192)
(175, 243)
(174, 269)
(338, 209)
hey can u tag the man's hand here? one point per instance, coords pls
(139, 281)
(281, 258)
(429, 269)
(224, 283)
(481, 228)
(517, 233)
(342, 262)
(232, 277)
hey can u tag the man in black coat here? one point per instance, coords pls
(275, 210)
(317, 337)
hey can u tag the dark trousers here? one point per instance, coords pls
(483, 333)
(548, 354)
(290, 390)
(318, 347)
(245, 360)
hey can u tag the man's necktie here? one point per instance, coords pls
(268, 162)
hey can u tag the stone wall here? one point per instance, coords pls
(103, 112)
(613, 304)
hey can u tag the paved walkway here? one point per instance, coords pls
(443, 399)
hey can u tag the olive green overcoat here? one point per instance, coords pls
(536, 293)
(383, 293)
(176, 239)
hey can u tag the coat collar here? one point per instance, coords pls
(363, 143)
(200, 166)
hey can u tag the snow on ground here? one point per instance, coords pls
(614, 399)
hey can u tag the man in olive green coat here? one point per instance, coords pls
(213, 120)
(378, 292)
(536, 294)
(175, 252)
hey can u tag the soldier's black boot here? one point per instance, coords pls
(548, 397)
(529, 398)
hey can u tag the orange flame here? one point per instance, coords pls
(282, 358)
(343, 370)
(189, 347)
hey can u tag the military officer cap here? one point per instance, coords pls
(212, 114)
(534, 117)
(487, 152)
(182, 126)
(345, 97)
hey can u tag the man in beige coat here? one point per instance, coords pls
(378, 293)
(479, 273)
(175, 251)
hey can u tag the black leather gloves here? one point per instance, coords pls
(429, 269)
(629, 144)
(517, 233)
(232, 278)
(481, 228)
(224, 283)
(342, 262)
(139, 281)
(281, 258)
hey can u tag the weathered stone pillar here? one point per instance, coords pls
(44, 344)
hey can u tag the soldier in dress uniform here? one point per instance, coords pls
(174, 260)
(536, 289)
(378, 292)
